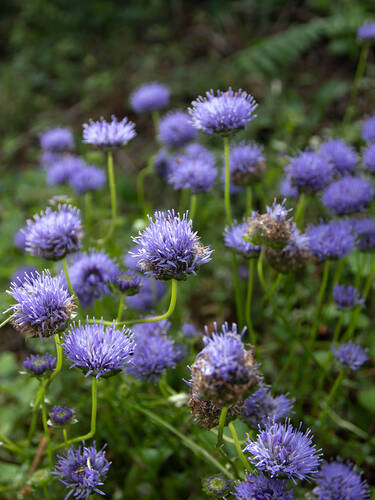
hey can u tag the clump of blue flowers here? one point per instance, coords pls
(350, 355)
(348, 195)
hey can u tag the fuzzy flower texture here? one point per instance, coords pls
(223, 112)
(82, 470)
(343, 157)
(310, 172)
(39, 365)
(43, 305)
(113, 134)
(258, 486)
(169, 248)
(194, 173)
(176, 130)
(348, 195)
(61, 415)
(366, 31)
(261, 407)
(333, 240)
(350, 355)
(57, 140)
(234, 238)
(149, 97)
(98, 350)
(346, 297)
(246, 163)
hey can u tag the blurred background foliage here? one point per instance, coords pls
(64, 61)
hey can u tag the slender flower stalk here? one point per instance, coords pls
(319, 307)
(300, 211)
(237, 445)
(88, 211)
(5, 321)
(249, 293)
(71, 289)
(120, 309)
(112, 189)
(227, 182)
(223, 416)
(193, 205)
(249, 201)
(331, 395)
(142, 174)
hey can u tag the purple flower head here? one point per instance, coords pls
(272, 229)
(54, 233)
(197, 151)
(350, 355)
(82, 470)
(282, 451)
(39, 365)
(20, 275)
(57, 139)
(169, 248)
(293, 256)
(128, 283)
(333, 240)
(246, 163)
(343, 157)
(224, 112)
(217, 486)
(113, 134)
(61, 415)
(61, 171)
(19, 239)
(150, 293)
(368, 129)
(366, 31)
(364, 228)
(224, 371)
(310, 172)
(43, 305)
(149, 97)
(369, 158)
(90, 275)
(340, 481)
(189, 330)
(348, 195)
(88, 178)
(100, 351)
(287, 189)
(49, 158)
(346, 297)
(261, 407)
(234, 238)
(163, 163)
(154, 351)
(175, 129)
(259, 486)
(194, 174)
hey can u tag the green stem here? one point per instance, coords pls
(331, 395)
(120, 309)
(5, 321)
(35, 413)
(195, 448)
(140, 186)
(237, 289)
(46, 494)
(57, 370)
(45, 428)
(249, 322)
(223, 416)
(349, 113)
(248, 200)
(88, 211)
(287, 362)
(193, 205)
(300, 211)
(322, 290)
(71, 289)
(7, 443)
(94, 409)
(65, 436)
(227, 182)
(112, 191)
(155, 121)
(237, 445)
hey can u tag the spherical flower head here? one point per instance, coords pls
(234, 238)
(163, 163)
(154, 351)
(54, 233)
(149, 97)
(369, 158)
(224, 372)
(82, 470)
(272, 229)
(346, 297)
(207, 414)
(292, 257)
(20, 275)
(19, 239)
(310, 172)
(287, 189)
(49, 158)
(364, 229)
(350, 355)
(39, 365)
(340, 481)
(87, 178)
(196, 150)
(348, 195)
(343, 157)
(98, 350)
(57, 140)
(366, 31)
(246, 163)
(261, 407)
(90, 275)
(107, 135)
(192, 173)
(169, 248)
(333, 240)
(223, 112)
(61, 415)
(176, 129)
(128, 283)
(150, 293)
(61, 171)
(190, 331)
(284, 452)
(43, 305)
(368, 130)
(259, 486)
(216, 486)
